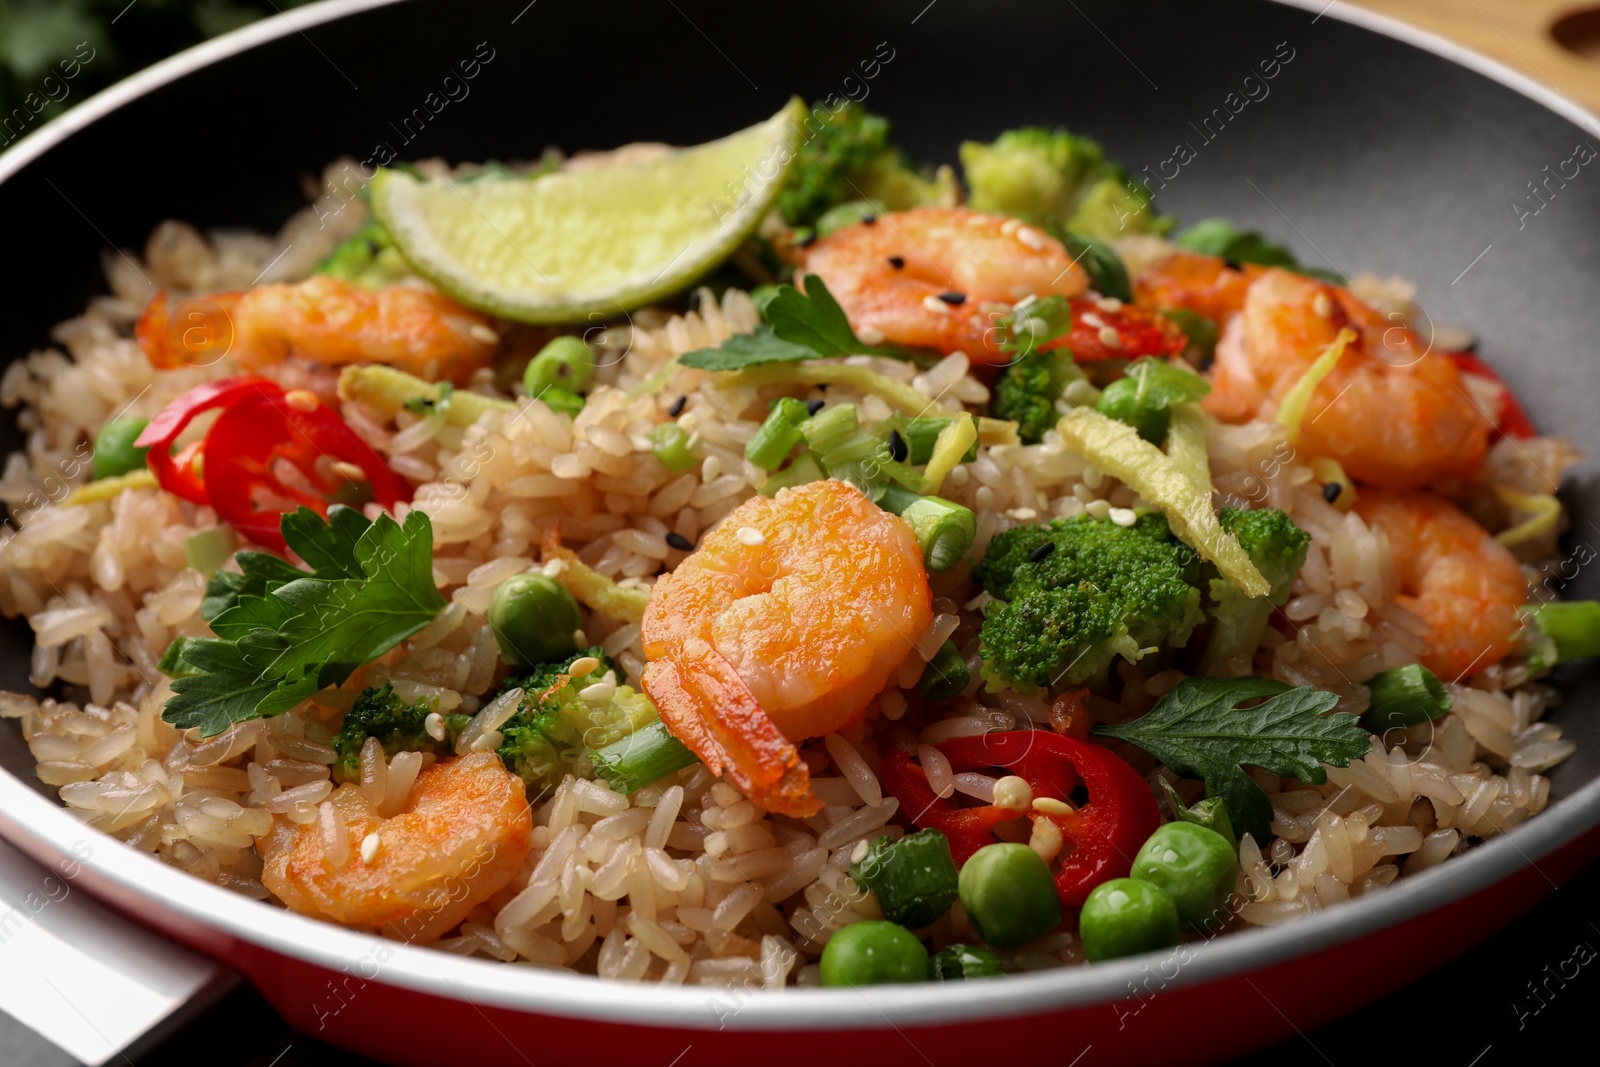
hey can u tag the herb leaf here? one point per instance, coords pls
(1221, 238)
(797, 326)
(279, 641)
(747, 350)
(1199, 730)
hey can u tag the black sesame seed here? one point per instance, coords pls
(897, 447)
(1331, 491)
(679, 542)
(897, 262)
(869, 220)
(1041, 552)
(677, 406)
(814, 406)
(1233, 264)
(807, 241)
(953, 298)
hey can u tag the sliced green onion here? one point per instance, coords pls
(648, 754)
(207, 550)
(670, 443)
(946, 674)
(562, 401)
(804, 469)
(830, 427)
(914, 877)
(944, 529)
(1566, 630)
(1404, 696)
(777, 436)
(922, 433)
(1212, 812)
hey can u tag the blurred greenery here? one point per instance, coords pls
(54, 53)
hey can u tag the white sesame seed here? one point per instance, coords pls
(580, 639)
(434, 724)
(1092, 320)
(859, 853)
(1027, 299)
(1124, 516)
(1032, 238)
(935, 305)
(1322, 305)
(1009, 227)
(480, 332)
(1110, 338)
(599, 692)
(870, 335)
(1023, 514)
(349, 470)
(554, 567)
(302, 400)
(369, 847)
(1109, 304)
(749, 535)
(1099, 509)
(1051, 806)
(581, 667)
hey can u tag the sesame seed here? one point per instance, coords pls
(1124, 516)
(369, 847)
(1110, 304)
(480, 332)
(935, 305)
(348, 470)
(1032, 238)
(1099, 509)
(679, 542)
(677, 406)
(581, 667)
(434, 725)
(1091, 320)
(897, 447)
(953, 298)
(302, 400)
(749, 535)
(897, 262)
(1110, 338)
(807, 241)
(1009, 227)
(1322, 305)
(859, 853)
(1233, 264)
(1041, 552)
(869, 220)
(1331, 491)
(870, 335)
(815, 405)
(580, 639)
(1051, 806)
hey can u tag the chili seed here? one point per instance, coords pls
(953, 298)
(897, 262)
(677, 406)
(1331, 491)
(679, 542)
(1041, 552)
(897, 447)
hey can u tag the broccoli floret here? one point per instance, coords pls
(555, 728)
(1278, 549)
(367, 257)
(398, 726)
(1030, 386)
(1053, 178)
(846, 155)
(1075, 593)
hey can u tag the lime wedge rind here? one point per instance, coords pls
(590, 245)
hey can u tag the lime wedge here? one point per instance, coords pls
(596, 243)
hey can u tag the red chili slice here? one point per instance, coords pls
(178, 474)
(1138, 332)
(261, 430)
(1511, 419)
(1104, 834)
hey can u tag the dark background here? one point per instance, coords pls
(1365, 154)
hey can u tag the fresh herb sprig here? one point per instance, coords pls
(795, 326)
(282, 634)
(1199, 730)
(1221, 238)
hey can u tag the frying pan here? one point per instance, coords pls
(1371, 146)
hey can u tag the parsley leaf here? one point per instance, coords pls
(1221, 238)
(1199, 730)
(1034, 324)
(797, 325)
(283, 633)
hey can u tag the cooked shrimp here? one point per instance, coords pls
(921, 278)
(784, 624)
(1462, 581)
(1211, 287)
(326, 320)
(464, 831)
(1394, 413)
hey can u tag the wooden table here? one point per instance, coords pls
(1520, 33)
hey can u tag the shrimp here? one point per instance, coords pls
(923, 278)
(784, 624)
(463, 833)
(1393, 412)
(327, 320)
(1459, 579)
(1210, 287)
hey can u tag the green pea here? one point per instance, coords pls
(960, 962)
(1195, 865)
(534, 619)
(873, 953)
(1124, 917)
(564, 363)
(1120, 400)
(1008, 894)
(114, 453)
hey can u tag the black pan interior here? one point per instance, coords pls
(1359, 152)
